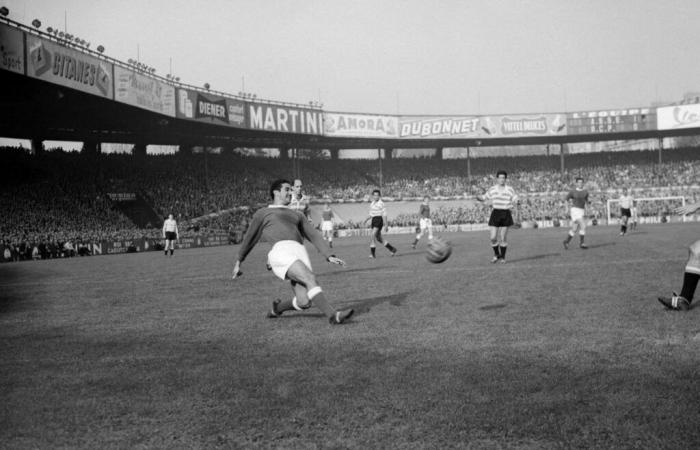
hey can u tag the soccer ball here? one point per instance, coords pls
(438, 251)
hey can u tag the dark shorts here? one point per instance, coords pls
(501, 218)
(170, 235)
(377, 222)
(625, 212)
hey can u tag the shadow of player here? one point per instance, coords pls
(533, 257)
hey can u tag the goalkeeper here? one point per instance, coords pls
(286, 230)
(692, 271)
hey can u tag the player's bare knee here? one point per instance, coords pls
(693, 264)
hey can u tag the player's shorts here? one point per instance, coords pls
(285, 253)
(377, 222)
(501, 218)
(577, 214)
(425, 223)
(170, 235)
(327, 225)
(625, 212)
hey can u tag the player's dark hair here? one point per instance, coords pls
(376, 191)
(501, 172)
(579, 178)
(276, 186)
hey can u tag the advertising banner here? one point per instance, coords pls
(286, 119)
(523, 125)
(413, 127)
(143, 91)
(11, 49)
(360, 125)
(210, 108)
(54, 63)
(611, 121)
(679, 116)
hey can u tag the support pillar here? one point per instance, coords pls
(388, 153)
(139, 149)
(37, 146)
(469, 166)
(661, 148)
(284, 152)
(562, 151)
(91, 148)
(440, 153)
(335, 153)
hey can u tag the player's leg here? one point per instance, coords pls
(378, 238)
(572, 232)
(330, 237)
(306, 280)
(298, 302)
(420, 234)
(503, 242)
(623, 223)
(582, 232)
(691, 276)
(376, 232)
(493, 236)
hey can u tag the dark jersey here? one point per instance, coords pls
(579, 198)
(327, 214)
(280, 223)
(424, 211)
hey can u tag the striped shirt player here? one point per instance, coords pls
(170, 234)
(425, 224)
(577, 198)
(327, 224)
(286, 230)
(377, 214)
(626, 202)
(300, 202)
(502, 198)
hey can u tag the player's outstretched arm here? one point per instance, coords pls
(687, 209)
(236, 270)
(335, 260)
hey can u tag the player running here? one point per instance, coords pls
(327, 224)
(502, 198)
(626, 203)
(577, 199)
(170, 234)
(377, 214)
(286, 230)
(692, 271)
(425, 224)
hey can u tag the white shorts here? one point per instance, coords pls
(577, 214)
(284, 254)
(425, 223)
(327, 225)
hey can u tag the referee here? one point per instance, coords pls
(502, 198)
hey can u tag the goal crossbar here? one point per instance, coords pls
(611, 201)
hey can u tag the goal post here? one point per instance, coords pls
(645, 205)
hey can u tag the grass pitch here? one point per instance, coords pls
(556, 349)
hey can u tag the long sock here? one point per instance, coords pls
(319, 300)
(415, 241)
(581, 237)
(166, 253)
(623, 228)
(330, 242)
(496, 251)
(373, 250)
(690, 282)
(569, 237)
(389, 247)
(503, 251)
(171, 252)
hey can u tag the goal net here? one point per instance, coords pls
(657, 207)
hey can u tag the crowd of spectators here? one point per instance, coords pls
(58, 201)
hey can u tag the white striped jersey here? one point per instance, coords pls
(377, 209)
(502, 197)
(626, 201)
(170, 225)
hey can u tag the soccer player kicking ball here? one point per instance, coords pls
(425, 224)
(577, 198)
(692, 271)
(286, 230)
(502, 198)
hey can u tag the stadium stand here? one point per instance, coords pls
(55, 203)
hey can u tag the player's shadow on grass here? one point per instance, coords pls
(364, 306)
(533, 257)
(605, 244)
